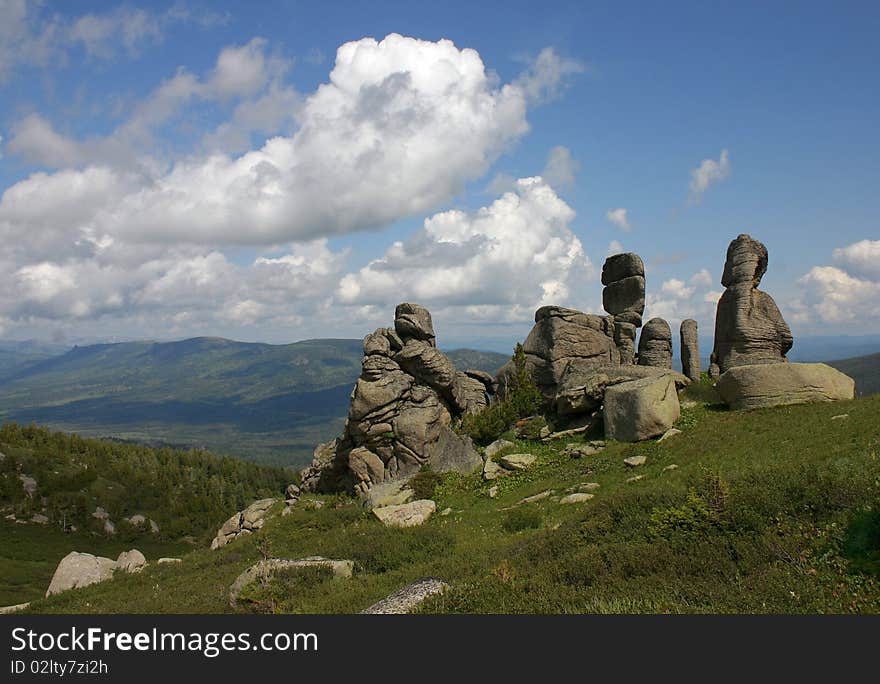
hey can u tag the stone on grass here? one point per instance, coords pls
(386, 494)
(408, 598)
(263, 570)
(671, 432)
(406, 515)
(578, 497)
(492, 471)
(635, 478)
(493, 491)
(640, 409)
(80, 570)
(131, 561)
(517, 461)
(588, 486)
(778, 384)
(635, 461)
(497, 447)
(671, 466)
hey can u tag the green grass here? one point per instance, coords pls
(773, 510)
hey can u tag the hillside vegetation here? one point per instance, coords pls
(774, 510)
(186, 493)
(260, 402)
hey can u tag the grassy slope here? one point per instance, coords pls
(260, 402)
(768, 511)
(865, 370)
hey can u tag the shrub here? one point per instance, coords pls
(521, 519)
(522, 398)
(424, 483)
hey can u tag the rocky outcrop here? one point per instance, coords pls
(655, 344)
(562, 340)
(407, 599)
(583, 391)
(640, 409)
(243, 522)
(82, 569)
(749, 329)
(401, 411)
(690, 349)
(776, 384)
(263, 570)
(623, 276)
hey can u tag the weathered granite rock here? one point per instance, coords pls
(401, 410)
(690, 349)
(623, 276)
(749, 329)
(28, 484)
(517, 461)
(263, 571)
(243, 522)
(131, 561)
(408, 598)
(406, 515)
(497, 447)
(562, 339)
(492, 471)
(576, 498)
(776, 384)
(386, 494)
(640, 409)
(80, 570)
(655, 344)
(582, 389)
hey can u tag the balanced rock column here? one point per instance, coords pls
(749, 329)
(623, 276)
(690, 349)
(655, 344)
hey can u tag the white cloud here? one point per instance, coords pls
(546, 75)
(676, 289)
(707, 173)
(861, 258)
(701, 279)
(614, 247)
(619, 218)
(561, 168)
(831, 295)
(499, 262)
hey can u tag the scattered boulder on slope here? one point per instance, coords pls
(655, 344)
(80, 570)
(401, 411)
(131, 561)
(406, 515)
(407, 599)
(749, 329)
(640, 409)
(690, 349)
(776, 384)
(243, 522)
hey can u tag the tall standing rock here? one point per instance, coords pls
(401, 411)
(749, 329)
(690, 349)
(623, 276)
(655, 344)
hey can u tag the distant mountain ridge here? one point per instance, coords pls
(263, 402)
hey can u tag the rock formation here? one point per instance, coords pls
(401, 411)
(655, 344)
(777, 384)
(82, 569)
(243, 522)
(640, 409)
(749, 329)
(623, 276)
(690, 349)
(562, 340)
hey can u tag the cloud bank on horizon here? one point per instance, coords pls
(257, 221)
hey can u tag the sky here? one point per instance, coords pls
(279, 171)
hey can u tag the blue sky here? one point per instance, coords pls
(140, 197)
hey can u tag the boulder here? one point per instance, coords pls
(407, 599)
(758, 386)
(582, 389)
(386, 494)
(690, 349)
(497, 447)
(80, 570)
(28, 484)
(749, 329)
(640, 409)
(406, 515)
(561, 339)
(243, 522)
(517, 461)
(623, 276)
(655, 344)
(492, 471)
(576, 498)
(131, 561)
